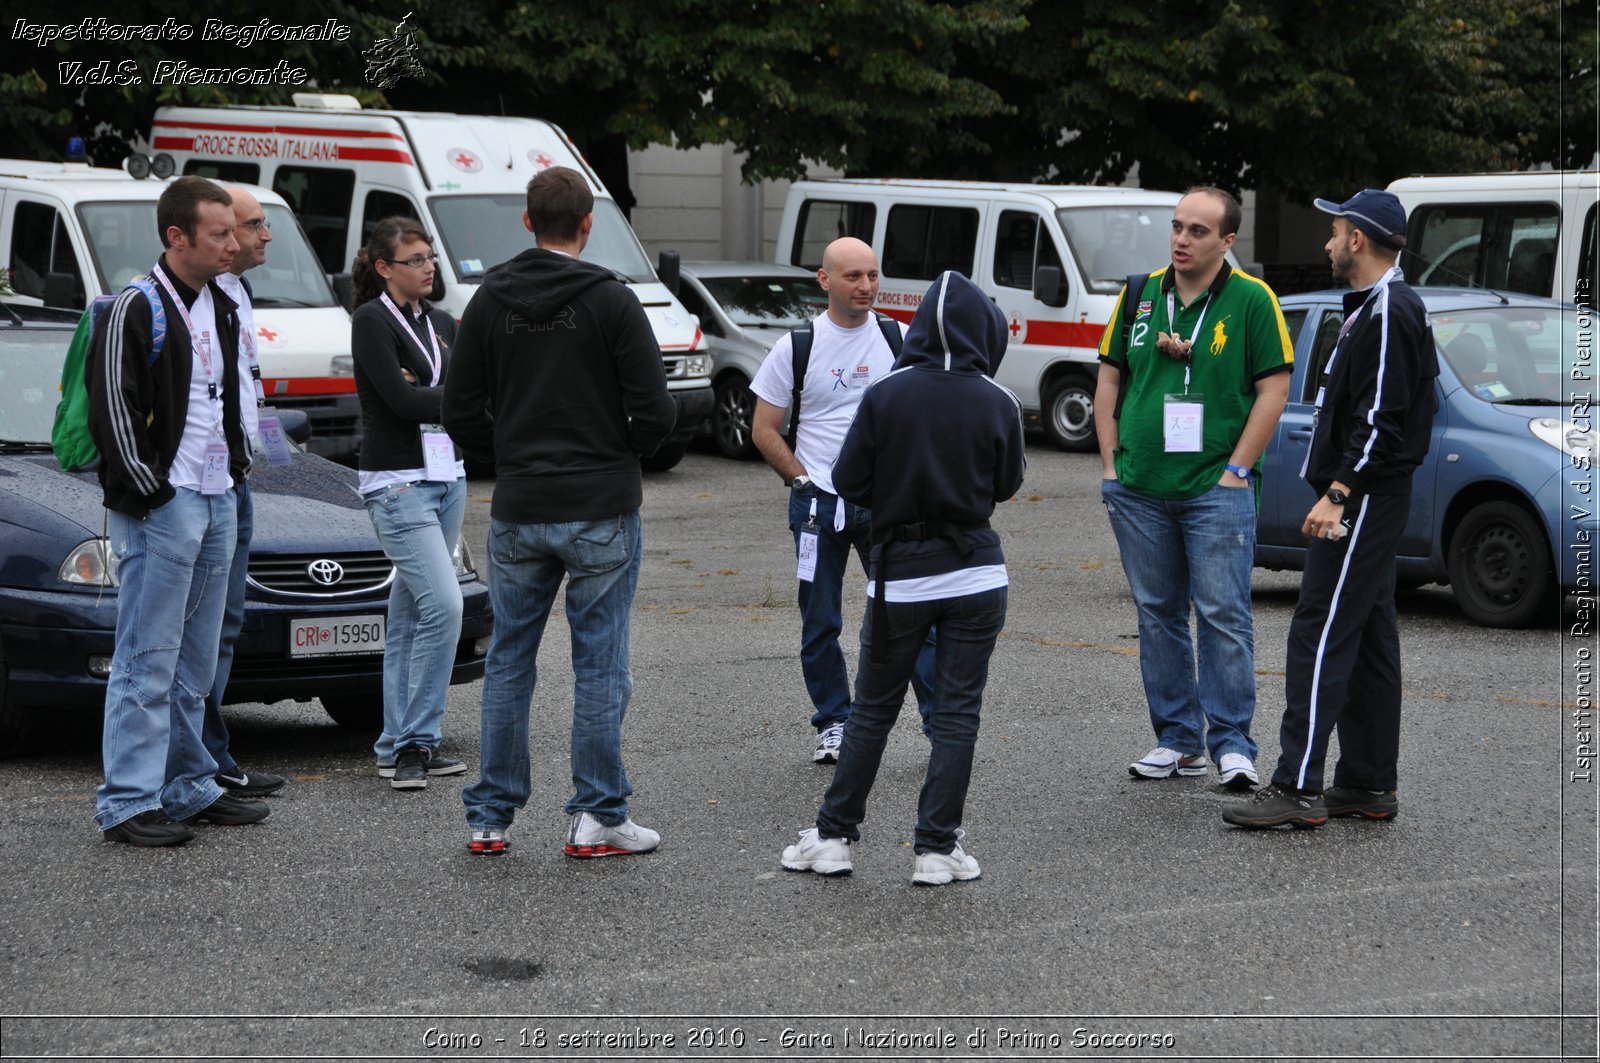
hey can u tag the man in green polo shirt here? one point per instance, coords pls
(1187, 398)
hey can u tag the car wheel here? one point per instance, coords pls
(1500, 567)
(669, 454)
(1069, 413)
(15, 720)
(355, 712)
(731, 418)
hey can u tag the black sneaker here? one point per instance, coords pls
(150, 828)
(438, 765)
(1369, 804)
(1274, 806)
(410, 769)
(241, 783)
(230, 811)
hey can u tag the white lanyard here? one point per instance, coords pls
(255, 366)
(1172, 323)
(1327, 369)
(435, 360)
(201, 345)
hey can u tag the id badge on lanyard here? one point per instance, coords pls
(214, 480)
(806, 568)
(1183, 417)
(272, 439)
(438, 454)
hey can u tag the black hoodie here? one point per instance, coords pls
(557, 379)
(937, 441)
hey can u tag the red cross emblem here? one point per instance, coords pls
(1018, 327)
(464, 160)
(543, 160)
(266, 334)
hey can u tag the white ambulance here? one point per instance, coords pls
(1532, 231)
(342, 169)
(1053, 257)
(71, 231)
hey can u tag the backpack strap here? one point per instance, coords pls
(158, 315)
(891, 333)
(1130, 310)
(800, 341)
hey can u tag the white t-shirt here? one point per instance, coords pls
(203, 422)
(843, 362)
(247, 339)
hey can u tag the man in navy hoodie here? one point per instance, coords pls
(934, 446)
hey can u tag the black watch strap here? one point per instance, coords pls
(1336, 496)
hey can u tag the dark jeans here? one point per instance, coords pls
(967, 628)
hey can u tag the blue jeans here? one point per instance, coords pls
(172, 585)
(418, 525)
(967, 628)
(1182, 551)
(821, 659)
(215, 730)
(600, 559)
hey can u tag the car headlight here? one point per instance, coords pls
(342, 365)
(91, 564)
(697, 365)
(1576, 441)
(463, 559)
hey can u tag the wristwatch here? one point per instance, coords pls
(1337, 497)
(800, 481)
(1241, 471)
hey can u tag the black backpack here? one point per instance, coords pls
(1130, 310)
(801, 338)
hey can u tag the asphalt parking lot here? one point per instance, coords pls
(1113, 918)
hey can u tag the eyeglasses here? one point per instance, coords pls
(415, 261)
(259, 225)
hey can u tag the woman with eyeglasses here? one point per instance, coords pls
(414, 487)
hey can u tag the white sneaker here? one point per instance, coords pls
(829, 739)
(937, 869)
(1164, 763)
(825, 856)
(1237, 772)
(589, 837)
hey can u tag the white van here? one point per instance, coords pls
(343, 169)
(1532, 231)
(1053, 257)
(71, 232)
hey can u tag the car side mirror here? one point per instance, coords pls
(296, 425)
(669, 269)
(1048, 287)
(60, 289)
(344, 289)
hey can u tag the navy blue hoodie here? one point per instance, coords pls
(937, 441)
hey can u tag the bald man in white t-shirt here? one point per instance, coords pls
(849, 350)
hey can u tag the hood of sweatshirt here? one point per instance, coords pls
(538, 283)
(957, 328)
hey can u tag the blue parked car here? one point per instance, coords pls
(1503, 509)
(315, 614)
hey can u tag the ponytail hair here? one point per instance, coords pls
(385, 238)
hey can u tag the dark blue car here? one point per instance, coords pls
(319, 583)
(1503, 509)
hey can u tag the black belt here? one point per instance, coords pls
(921, 531)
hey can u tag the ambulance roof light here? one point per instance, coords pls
(326, 101)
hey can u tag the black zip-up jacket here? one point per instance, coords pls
(557, 379)
(1376, 420)
(392, 408)
(137, 410)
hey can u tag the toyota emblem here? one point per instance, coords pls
(325, 572)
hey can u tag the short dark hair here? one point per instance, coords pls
(1232, 213)
(558, 200)
(180, 204)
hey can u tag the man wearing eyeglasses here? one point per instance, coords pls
(253, 235)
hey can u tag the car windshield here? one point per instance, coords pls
(767, 302)
(1510, 355)
(1110, 243)
(122, 239)
(480, 232)
(30, 382)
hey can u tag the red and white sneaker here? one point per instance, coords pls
(588, 837)
(488, 843)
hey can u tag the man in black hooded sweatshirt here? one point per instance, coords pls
(557, 379)
(935, 445)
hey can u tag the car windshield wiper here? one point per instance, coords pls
(278, 300)
(1528, 402)
(21, 446)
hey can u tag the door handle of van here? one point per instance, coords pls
(1299, 434)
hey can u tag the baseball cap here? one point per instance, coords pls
(1374, 211)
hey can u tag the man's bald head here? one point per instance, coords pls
(849, 275)
(251, 231)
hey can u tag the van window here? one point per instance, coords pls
(320, 198)
(243, 173)
(381, 205)
(1481, 245)
(1021, 245)
(922, 242)
(1113, 243)
(822, 221)
(1584, 282)
(40, 246)
(480, 232)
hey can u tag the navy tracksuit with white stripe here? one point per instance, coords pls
(1373, 427)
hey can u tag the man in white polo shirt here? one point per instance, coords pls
(843, 350)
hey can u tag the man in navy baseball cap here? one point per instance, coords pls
(1375, 212)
